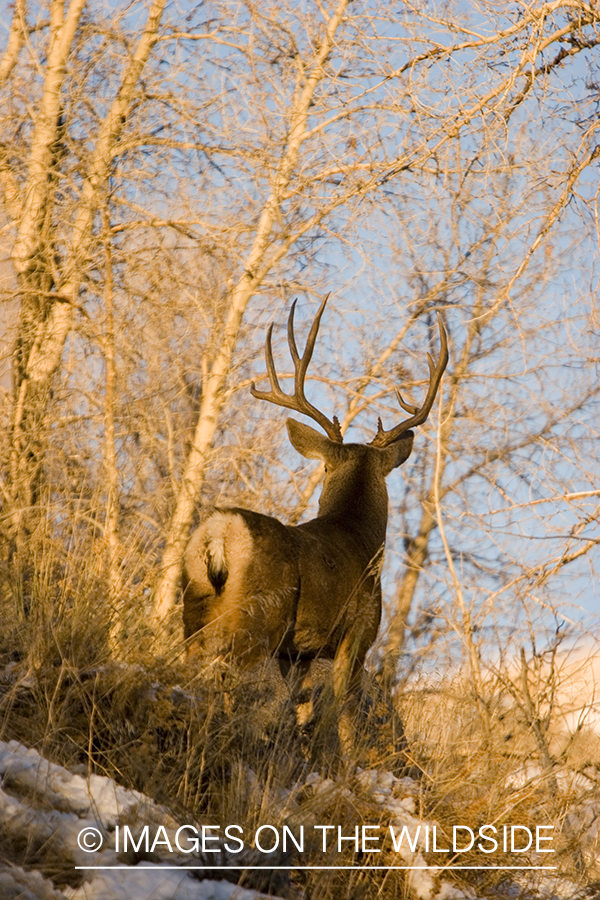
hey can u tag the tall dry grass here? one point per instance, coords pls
(215, 748)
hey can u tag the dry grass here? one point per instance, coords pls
(214, 756)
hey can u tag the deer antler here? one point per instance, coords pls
(418, 414)
(298, 402)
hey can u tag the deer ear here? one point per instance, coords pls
(308, 442)
(396, 453)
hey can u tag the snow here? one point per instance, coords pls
(451, 892)
(569, 782)
(66, 791)
(43, 803)
(18, 884)
(152, 883)
(156, 883)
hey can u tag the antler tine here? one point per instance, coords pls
(419, 414)
(406, 406)
(275, 395)
(291, 338)
(271, 371)
(298, 401)
(310, 341)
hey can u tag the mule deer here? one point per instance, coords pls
(255, 588)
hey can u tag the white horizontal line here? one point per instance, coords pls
(300, 868)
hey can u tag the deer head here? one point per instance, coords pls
(348, 467)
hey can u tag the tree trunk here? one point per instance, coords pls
(48, 287)
(256, 267)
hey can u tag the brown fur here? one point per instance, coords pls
(255, 588)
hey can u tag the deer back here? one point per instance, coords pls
(253, 586)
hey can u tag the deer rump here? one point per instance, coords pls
(254, 588)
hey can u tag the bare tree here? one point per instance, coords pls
(180, 181)
(51, 260)
(339, 49)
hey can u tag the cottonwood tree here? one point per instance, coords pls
(260, 142)
(511, 395)
(57, 157)
(317, 82)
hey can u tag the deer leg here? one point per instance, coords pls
(347, 676)
(299, 675)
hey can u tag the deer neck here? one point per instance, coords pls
(359, 506)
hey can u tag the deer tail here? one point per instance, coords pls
(216, 562)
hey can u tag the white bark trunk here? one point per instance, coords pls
(45, 135)
(50, 338)
(47, 304)
(111, 522)
(46, 352)
(256, 267)
(16, 39)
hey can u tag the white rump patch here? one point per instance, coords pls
(216, 529)
(226, 531)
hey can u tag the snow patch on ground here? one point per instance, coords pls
(157, 883)
(44, 805)
(25, 769)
